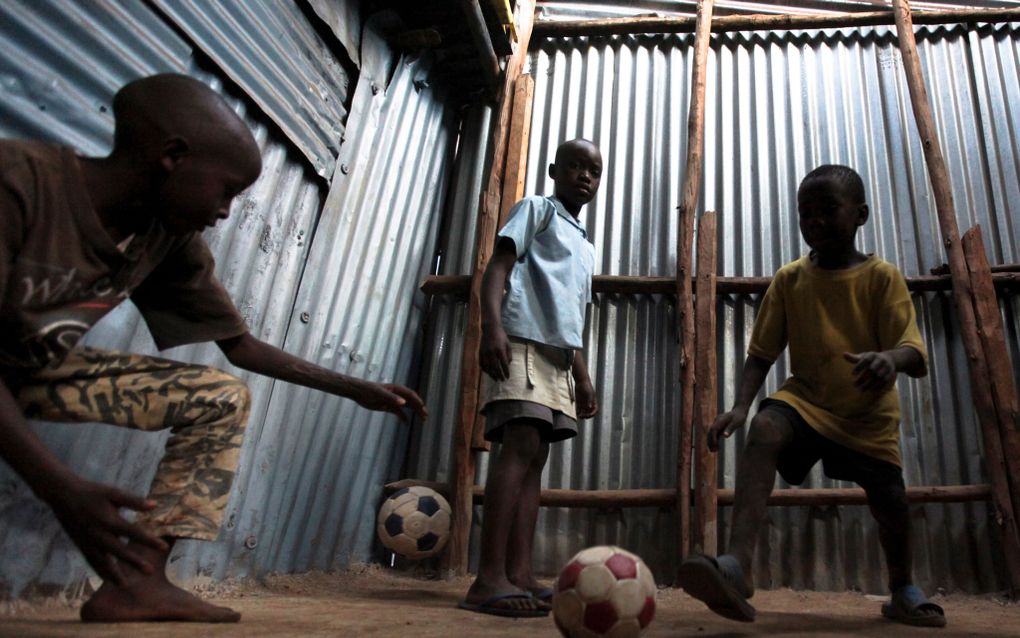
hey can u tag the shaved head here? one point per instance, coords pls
(151, 110)
(577, 144)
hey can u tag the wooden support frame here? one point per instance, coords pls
(1000, 370)
(762, 22)
(963, 293)
(458, 285)
(684, 295)
(455, 559)
(705, 534)
(665, 498)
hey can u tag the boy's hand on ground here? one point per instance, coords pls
(389, 397)
(724, 425)
(873, 371)
(587, 403)
(494, 354)
(89, 514)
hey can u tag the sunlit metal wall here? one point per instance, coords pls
(777, 106)
(312, 466)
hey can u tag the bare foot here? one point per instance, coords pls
(140, 597)
(151, 601)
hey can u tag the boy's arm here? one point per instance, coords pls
(587, 404)
(874, 371)
(258, 356)
(755, 371)
(87, 511)
(494, 348)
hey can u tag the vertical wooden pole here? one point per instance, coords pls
(517, 155)
(684, 296)
(1000, 370)
(513, 189)
(706, 500)
(962, 290)
(455, 559)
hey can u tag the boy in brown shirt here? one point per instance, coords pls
(80, 235)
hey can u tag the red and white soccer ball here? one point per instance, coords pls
(604, 591)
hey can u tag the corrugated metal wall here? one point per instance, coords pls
(312, 466)
(777, 105)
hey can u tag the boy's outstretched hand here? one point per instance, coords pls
(390, 397)
(89, 514)
(725, 425)
(873, 371)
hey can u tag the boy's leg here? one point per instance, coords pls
(887, 499)
(725, 583)
(521, 444)
(770, 432)
(206, 409)
(522, 532)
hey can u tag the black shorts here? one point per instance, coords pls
(838, 461)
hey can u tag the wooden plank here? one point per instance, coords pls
(513, 189)
(762, 22)
(1000, 370)
(962, 290)
(684, 293)
(1005, 282)
(705, 533)
(520, 133)
(665, 498)
(455, 559)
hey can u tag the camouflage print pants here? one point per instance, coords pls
(206, 410)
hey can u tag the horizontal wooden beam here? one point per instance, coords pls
(666, 498)
(761, 22)
(457, 285)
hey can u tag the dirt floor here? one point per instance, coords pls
(374, 601)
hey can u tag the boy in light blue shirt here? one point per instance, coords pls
(536, 384)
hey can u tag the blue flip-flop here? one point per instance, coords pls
(490, 606)
(908, 605)
(719, 583)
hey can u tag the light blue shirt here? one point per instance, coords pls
(550, 285)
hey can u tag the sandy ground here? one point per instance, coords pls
(374, 601)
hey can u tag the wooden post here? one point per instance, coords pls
(513, 188)
(684, 300)
(517, 155)
(455, 559)
(706, 508)
(962, 290)
(1000, 371)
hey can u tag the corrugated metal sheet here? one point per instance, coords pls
(777, 105)
(312, 465)
(273, 52)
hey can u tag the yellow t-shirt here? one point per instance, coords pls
(821, 314)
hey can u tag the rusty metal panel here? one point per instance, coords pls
(273, 52)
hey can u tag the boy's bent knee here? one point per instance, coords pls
(769, 431)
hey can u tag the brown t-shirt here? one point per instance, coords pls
(60, 271)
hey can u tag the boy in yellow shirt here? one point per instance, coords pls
(850, 325)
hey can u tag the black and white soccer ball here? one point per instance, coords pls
(414, 522)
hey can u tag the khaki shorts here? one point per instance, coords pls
(540, 387)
